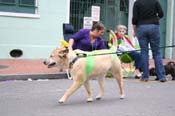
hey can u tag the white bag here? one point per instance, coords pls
(135, 42)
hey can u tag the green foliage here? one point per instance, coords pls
(126, 58)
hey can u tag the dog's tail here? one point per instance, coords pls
(112, 40)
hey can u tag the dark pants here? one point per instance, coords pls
(150, 34)
(136, 56)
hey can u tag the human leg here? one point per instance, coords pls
(136, 56)
(143, 41)
(154, 35)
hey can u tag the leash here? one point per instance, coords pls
(120, 52)
(112, 35)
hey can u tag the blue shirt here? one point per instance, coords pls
(82, 41)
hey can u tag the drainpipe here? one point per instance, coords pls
(173, 56)
(169, 28)
(68, 11)
(131, 3)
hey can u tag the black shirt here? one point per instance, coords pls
(147, 12)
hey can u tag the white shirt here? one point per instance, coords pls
(125, 46)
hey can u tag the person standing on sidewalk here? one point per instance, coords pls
(145, 20)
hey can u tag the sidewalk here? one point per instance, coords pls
(11, 69)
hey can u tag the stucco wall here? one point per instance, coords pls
(35, 37)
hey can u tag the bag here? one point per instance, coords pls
(135, 42)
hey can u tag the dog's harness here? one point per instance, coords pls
(73, 61)
(89, 61)
(79, 55)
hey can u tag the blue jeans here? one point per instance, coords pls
(136, 57)
(150, 34)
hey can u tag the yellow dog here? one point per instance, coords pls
(86, 65)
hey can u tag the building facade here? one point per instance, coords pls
(32, 29)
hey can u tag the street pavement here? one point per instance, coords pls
(40, 98)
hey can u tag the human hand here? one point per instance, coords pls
(134, 30)
(134, 33)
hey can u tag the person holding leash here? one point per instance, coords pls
(88, 39)
(146, 15)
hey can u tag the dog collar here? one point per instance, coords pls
(73, 61)
(80, 55)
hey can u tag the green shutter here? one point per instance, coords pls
(7, 2)
(18, 6)
(27, 3)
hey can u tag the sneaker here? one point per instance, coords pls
(144, 79)
(156, 79)
(163, 80)
(137, 77)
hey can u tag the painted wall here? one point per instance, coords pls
(36, 37)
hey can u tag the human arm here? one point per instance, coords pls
(101, 45)
(134, 30)
(75, 38)
(135, 18)
(71, 42)
(159, 10)
(135, 14)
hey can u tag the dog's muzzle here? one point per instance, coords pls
(49, 63)
(52, 64)
(45, 62)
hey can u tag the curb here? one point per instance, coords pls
(33, 76)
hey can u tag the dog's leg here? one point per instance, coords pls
(120, 82)
(173, 73)
(89, 92)
(118, 75)
(101, 86)
(173, 76)
(70, 91)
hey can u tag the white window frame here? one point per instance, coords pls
(24, 15)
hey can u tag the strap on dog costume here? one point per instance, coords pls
(80, 55)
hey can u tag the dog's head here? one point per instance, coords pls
(152, 71)
(171, 64)
(170, 67)
(58, 58)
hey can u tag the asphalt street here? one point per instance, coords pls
(40, 98)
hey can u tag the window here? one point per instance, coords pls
(8, 2)
(81, 8)
(124, 5)
(18, 6)
(29, 3)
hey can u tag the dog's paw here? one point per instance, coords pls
(61, 101)
(98, 97)
(122, 96)
(90, 100)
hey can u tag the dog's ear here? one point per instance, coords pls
(63, 53)
(66, 50)
(171, 63)
(152, 71)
